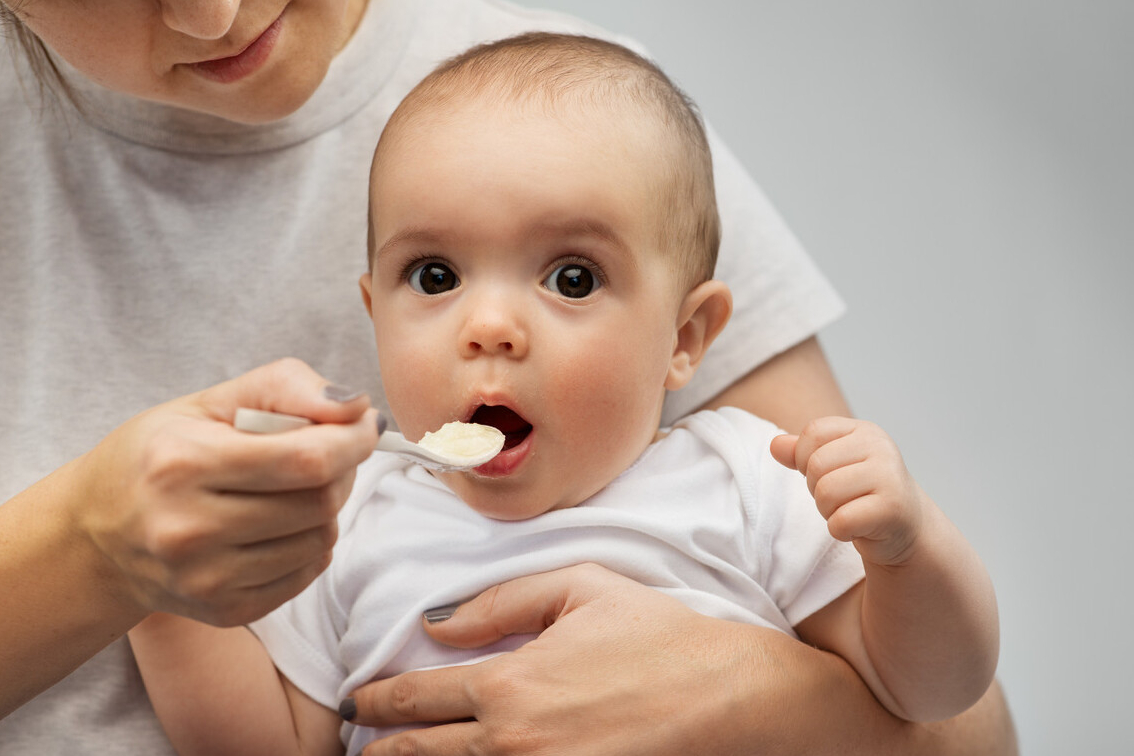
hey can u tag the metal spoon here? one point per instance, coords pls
(442, 460)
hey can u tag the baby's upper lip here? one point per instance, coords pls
(487, 397)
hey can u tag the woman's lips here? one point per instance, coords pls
(227, 70)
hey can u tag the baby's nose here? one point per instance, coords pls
(495, 328)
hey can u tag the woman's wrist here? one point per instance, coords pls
(87, 500)
(120, 605)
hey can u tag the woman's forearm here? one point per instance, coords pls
(836, 714)
(63, 600)
(789, 390)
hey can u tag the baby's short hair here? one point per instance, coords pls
(550, 68)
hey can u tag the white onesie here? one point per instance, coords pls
(705, 515)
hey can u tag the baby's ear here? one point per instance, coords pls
(702, 315)
(364, 284)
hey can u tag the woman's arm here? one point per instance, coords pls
(64, 600)
(791, 389)
(216, 692)
(175, 511)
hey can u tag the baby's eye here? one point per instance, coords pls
(572, 280)
(433, 278)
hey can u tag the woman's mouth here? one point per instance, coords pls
(245, 62)
(517, 432)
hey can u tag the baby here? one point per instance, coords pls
(543, 235)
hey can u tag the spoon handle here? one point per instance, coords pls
(262, 421)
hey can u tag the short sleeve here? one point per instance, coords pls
(302, 637)
(788, 550)
(805, 568)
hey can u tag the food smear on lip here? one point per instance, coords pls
(225, 70)
(463, 441)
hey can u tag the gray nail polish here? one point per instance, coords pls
(348, 709)
(440, 614)
(381, 423)
(337, 393)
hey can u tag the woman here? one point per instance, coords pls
(190, 162)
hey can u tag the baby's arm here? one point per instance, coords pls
(216, 692)
(922, 629)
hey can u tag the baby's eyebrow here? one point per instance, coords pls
(580, 227)
(557, 229)
(411, 235)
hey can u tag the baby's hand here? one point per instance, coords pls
(860, 484)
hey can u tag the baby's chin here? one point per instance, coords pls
(503, 499)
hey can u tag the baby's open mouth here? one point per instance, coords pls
(514, 427)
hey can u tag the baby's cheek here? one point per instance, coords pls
(413, 382)
(586, 384)
(606, 400)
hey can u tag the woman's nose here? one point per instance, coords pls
(493, 327)
(203, 19)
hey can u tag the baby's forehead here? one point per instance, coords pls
(609, 119)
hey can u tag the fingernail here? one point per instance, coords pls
(348, 709)
(337, 393)
(381, 423)
(440, 614)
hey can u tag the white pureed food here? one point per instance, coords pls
(461, 441)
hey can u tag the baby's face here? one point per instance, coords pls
(518, 282)
(248, 61)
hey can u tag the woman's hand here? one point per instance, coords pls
(604, 666)
(175, 511)
(624, 670)
(212, 523)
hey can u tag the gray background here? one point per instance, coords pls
(963, 173)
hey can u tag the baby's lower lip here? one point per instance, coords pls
(236, 67)
(506, 462)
